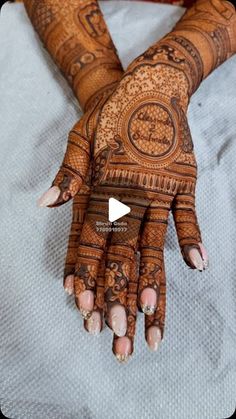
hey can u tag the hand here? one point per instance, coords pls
(77, 38)
(122, 347)
(190, 66)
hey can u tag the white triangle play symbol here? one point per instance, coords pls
(117, 209)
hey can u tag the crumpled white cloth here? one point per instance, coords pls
(50, 367)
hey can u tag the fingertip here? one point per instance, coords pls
(148, 301)
(118, 320)
(153, 337)
(69, 284)
(49, 197)
(193, 257)
(204, 253)
(86, 303)
(122, 348)
(94, 324)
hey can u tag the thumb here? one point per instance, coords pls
(73, 170)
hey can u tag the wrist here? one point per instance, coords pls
(210, 26)
(202, 40)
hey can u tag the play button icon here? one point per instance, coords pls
(117, 209)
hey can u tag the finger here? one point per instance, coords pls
(94, 324)
(69, 284)
(123, 347)
(80, 204)
(73, 171)
(90, 253)
(188, 232)
(154, 324)
(151, 249)
(119, 257)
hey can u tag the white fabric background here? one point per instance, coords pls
(50, 367)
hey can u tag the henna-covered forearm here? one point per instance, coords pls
(76, 36)
(203, 39)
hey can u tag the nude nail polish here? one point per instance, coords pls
(49, 197)
(148, 301)
(153, 337)
(118, 320)
(196, 259)
(205, 257)
(122, 349)
(69, 284)
(94, 323)
(86, 303)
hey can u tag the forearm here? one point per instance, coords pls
(76, 36)
(211, 27)
(202, 40)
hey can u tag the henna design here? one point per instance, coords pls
(141, 132)
(158, 318)
(76, 36)
(80, 204)
(131, 301)
(155, 164)
(116, 280)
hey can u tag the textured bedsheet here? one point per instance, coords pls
(50, 367)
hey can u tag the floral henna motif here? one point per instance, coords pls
(116, 280)
(158, 318)
(131, 303)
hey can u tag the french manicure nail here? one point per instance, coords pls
(148, 300)
(122, 348)
(49, 197)
(118, 321)
(204, 255)
(122, 358)
(196, 259)
(69, 291)
(86, 303)
(94, 323)
(153, 337)
(69, 284)
(85, 313)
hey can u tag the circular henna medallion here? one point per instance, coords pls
(151, 129)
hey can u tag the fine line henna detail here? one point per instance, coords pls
(76, 36)
(168, 112)
(150, 164)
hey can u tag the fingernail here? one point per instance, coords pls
(94, 323)
(122, 358)
(118, 321)
(205, 257)
(86, 303)
(122, 348)
(196, 258)
(49, 197)
(148, 300)
(69, 284)
(153, 337)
